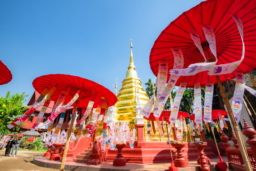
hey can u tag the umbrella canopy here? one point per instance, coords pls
(19, 135)
(87, 88)
(10, 135)
(31, 133)
(5, 74)
(165, 115)
(217, 15)
(215, 114)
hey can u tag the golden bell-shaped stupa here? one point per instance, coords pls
(128, 97)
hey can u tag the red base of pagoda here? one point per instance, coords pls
(155, 152)
(119, 161)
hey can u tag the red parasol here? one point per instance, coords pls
(165, 115)
(216, 14)
(11, 135)
(215, 114)
(87, 88)
(19, 135)
(5, 74)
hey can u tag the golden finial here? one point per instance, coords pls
(131, 68)
(130, 43)
(131, 65)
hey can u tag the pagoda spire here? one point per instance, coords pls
(131, 64)
(131, 68)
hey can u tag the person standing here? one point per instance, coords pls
(16, 144)
(8, 146)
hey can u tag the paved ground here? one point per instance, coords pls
(22, 162)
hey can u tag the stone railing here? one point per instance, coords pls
(234, 154)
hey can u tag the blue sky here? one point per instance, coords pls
(86, 38)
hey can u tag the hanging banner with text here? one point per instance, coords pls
(60, 109)
(59, 125)
(211, 66)
(198, 67)
(41, 99)
(177, 100)
(230, 67)
(208, 102)
(161, 82)
(87, 112)
(198, 104)
(237, 101)
(178, 63)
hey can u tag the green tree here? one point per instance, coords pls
(150, 88)
(186, 104)
(10, 106)
(150, 91)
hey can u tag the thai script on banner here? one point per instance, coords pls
(41, 99)
(210, 37)
(60, 109)
(252, 91)
(161, 82)
(178, 63)
(146, 110)
(80, 129)
(196, 39)
(87, 112)
(199, 67)
(230, 67)
(91, 125)
(178, 59)
(208, 102)
(59, 125)
(162, 76)
(148, 107)
(41, 114)
(98, 122)
(238, 96)
(198, 104)
(211, 66)
(177, 100)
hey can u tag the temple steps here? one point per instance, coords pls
(80, 160)
(83, 157)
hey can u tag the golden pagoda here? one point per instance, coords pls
(131, 88)
(127, 102)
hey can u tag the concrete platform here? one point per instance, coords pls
(107, 166)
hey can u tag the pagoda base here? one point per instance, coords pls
(155, 152)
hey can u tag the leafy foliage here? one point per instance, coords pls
(150, 88)
(38, 144)
(10, 106)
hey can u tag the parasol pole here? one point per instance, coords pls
(220, 158)
(252, 79)
(63, 161)
(241, 144)
(173, 168)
